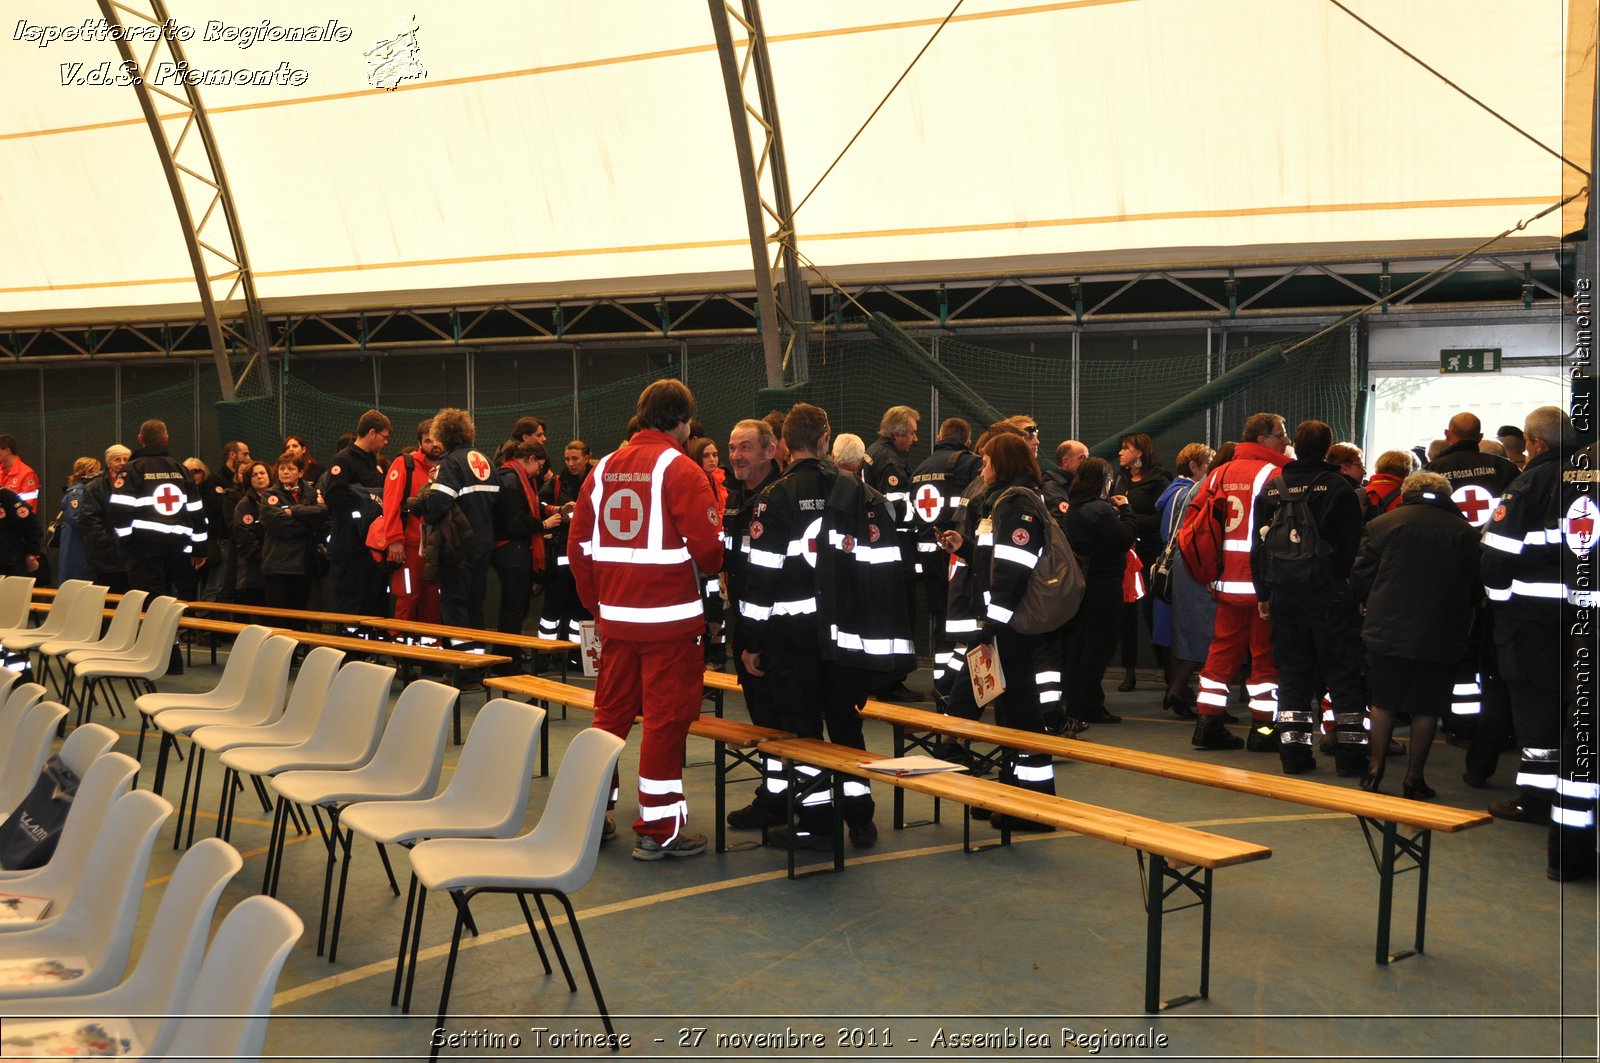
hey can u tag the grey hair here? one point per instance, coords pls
(1426, 481)
(1548, 423)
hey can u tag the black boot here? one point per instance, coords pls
(1209, 733)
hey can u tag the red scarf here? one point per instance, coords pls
(536, 543)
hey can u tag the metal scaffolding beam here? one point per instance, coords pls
(233, 319)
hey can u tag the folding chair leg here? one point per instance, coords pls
(405, 942)
(183, 801)
(594, 983)
(416, 943)
(528, 917)
(561, 953)
(383, 854)
(161, 763)
(198, 758)
(338, 909)
(327, 874)
(144, 726)
(449, 973)
(261, 792)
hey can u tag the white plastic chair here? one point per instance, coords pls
(56, 616)
(227, 694)
(22, 697)
(163, 978)
(406, 766)
(260, 704)
(556, 858)
(148, 661)
(30, 748)
(299, 720)
(226, 1015)
(16, 595)
(118, 640)
(487, 797)
(99, 920)
(343, 740)
(82, 620)
(100, 784)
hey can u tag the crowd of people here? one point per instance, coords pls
(1336, 604)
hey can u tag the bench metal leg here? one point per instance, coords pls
(797, 796)
(728, 759)
(1387, 849)
(904, 741)
(1197, 881)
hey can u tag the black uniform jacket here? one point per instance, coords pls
(1417, 570)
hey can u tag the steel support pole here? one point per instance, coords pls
(236, 272)
(753, 168)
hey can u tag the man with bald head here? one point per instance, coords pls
(1058, 481)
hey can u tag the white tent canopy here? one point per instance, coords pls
(563, 148)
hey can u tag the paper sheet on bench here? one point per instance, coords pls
(918, 765)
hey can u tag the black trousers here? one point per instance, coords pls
(1090, 637)
(1018, 707)
(359, 588)
(1530, 664)
(762, 704)
(159, 572)
(461, 592)
(286, 592)
(1316, 643)
(810, 693)
(558, 618)
(513, 564)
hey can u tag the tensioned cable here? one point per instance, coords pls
(937, 30)
(1353, 315)
(1415, 59)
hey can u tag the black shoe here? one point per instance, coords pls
(980, 813)
(754, 816)
(863, 835)
(1210, 734)
(1104, 717)
(1001, 821)
(1179, 708)
(950, 751)
(1417, 790)
(1370, 781)
(1520, 811)
(1325, 747)
(1348, 766)
(778, 838)
(1262, 738)
(1297, 763)
(901, 693)
(1474, 780)
(1129, 681)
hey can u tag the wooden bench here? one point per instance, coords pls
(559, 647)
(1180, 858)
(720, 684)
(1380, 816)
(735, 742)
(273, 612)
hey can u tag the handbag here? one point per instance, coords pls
(28, 836)
(52, 534)
(1160, 574)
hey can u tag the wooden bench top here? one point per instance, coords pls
(270, 612)
(397, 650)
(722, 681)
(734, 733)
(534, 686)
(1421, 815)
(214, 627)
(1182, 844)
(467, 634)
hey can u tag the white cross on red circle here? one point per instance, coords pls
(168, 500)
(929, 502)
(624, 514)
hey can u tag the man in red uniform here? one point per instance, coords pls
(645, 529)
(1240, 627)
(15, 475)
(398, 533)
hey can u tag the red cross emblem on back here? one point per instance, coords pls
(929, 502)
(168, 500)
(479, 464)
(623, 514)
(1474, 502)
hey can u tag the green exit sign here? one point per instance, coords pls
(1470, 360)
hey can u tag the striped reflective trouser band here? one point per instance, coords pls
(1466, 699)
(1049, 684)
(1263, 701)
(1031, 769)
(1296, 727)
(1574, 804)
(574, 630)
(1350, 728)
(1212, 697)
(941, 663)
(820, 796)
(958, 659)
(549, 627)
(661, 800)
(1539, 768)
(773, 779)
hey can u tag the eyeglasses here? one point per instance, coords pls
(1031, 430)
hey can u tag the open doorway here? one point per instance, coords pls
(1411, 409)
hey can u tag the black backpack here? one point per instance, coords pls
(1296, 554)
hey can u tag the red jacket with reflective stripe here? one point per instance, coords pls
(1239, 481)
(645, 522)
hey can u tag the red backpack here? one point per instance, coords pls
(1201, 535)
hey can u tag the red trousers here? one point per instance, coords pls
(662, 682)
(1240, 631)
(413, 598)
